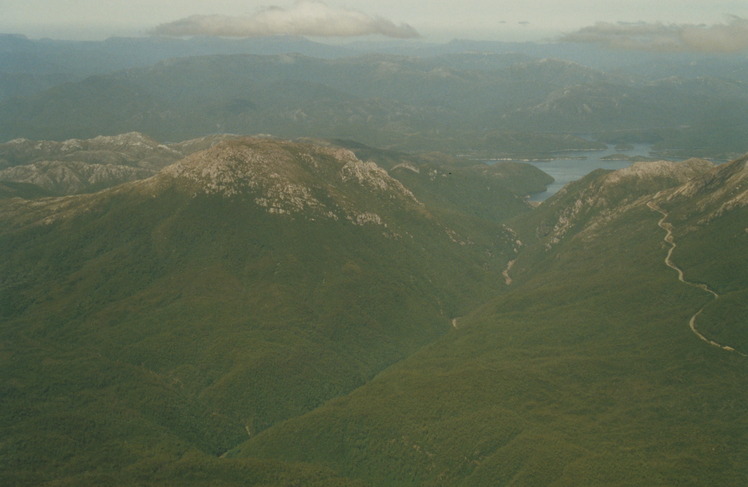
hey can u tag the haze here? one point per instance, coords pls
(532, 20)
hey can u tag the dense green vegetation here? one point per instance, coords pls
(457, 186)
(10, 189)
(585, 373)
(158, 334)
(289, 316)
(170, 323)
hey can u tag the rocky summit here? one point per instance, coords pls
(292, 178)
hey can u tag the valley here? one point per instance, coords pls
(278, 262)
(270, 306)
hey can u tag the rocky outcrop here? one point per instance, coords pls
(131, 149)
(712, 194)
(82, 166)
(69, 177)
(292, 178)
(677, 172)
(583, 206)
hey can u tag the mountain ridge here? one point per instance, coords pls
(582, 371)
(202, 315)
(88, 165)
(177, 324)
(451, 103)
(279, 171)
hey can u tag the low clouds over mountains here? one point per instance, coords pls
(728, 37)
(305, 18)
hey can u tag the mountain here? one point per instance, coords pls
(131, 149)
(460, 187)
(73, 177)
(596, 366)
(88, 165)
(84, 166)
(76, 59)
(25, 84)
(482, 104)
(164, 320)
(586, 203)
(656, 105)
(21, 55)
(315, 312)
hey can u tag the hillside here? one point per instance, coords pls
(585, 371)
(460, 186)
(272, 312)
(162, 321)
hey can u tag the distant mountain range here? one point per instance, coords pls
(19, 54)
(483, 99)
(314, 312)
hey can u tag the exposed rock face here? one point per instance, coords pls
(81, 166)
(700, 190)
(716, 192)
(681, 172)
(63, 177)
(131, 149)
(292, 178)
(602, 195)
(373, 177)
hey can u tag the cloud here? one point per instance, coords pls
(728, 37)
(306, 18)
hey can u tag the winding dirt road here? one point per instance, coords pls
(670, 239)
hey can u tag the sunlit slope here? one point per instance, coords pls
(585, 372)
(715, 204)
(155, 325)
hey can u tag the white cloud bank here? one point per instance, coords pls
(727, 37)
(305, 18)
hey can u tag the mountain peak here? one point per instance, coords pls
(292, 178)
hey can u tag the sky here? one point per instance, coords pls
(630, 23)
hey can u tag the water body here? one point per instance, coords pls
(570, 166)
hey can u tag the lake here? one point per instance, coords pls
(571, 166)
